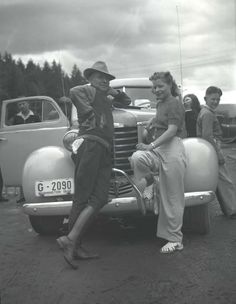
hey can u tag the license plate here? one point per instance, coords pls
(54, 187)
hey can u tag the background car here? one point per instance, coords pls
(226, 113)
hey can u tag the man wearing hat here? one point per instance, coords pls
(92, 155)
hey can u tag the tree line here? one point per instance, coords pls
(18, 79)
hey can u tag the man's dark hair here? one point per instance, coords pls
(213, 90)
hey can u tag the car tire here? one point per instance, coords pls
(196, 219)
(46, 225)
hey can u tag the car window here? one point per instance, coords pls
(39, 110)
(15, 112)
(11, 111)
(49, 111)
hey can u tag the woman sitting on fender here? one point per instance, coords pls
(165, 153)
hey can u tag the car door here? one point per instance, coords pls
(18, 141)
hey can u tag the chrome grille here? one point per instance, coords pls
(125, 141)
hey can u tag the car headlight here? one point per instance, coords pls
(69, 138)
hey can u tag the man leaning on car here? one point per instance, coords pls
(93, 159)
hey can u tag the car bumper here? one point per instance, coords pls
(117, 206)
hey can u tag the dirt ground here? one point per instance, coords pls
(130, 269)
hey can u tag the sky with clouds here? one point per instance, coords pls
(195, 40)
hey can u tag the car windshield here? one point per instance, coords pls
(141, 97)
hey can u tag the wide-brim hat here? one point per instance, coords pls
(99, 66)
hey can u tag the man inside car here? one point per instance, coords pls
(25, 115)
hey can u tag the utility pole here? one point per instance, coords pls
(234, 48)
(180, 50)
(62, 76)
(235, 24)
(62, 83)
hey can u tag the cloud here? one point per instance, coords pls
(135, 38)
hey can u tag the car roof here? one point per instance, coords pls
(131, 82)
(28, 98)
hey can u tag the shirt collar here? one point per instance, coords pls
(207, 107)
(27, 116)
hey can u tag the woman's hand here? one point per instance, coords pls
(143, 147)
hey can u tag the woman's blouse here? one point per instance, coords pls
(169, 112)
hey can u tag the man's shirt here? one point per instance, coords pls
(20, 118)
(208, 128)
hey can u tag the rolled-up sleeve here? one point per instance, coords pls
(121, 99)
(175, 114)
(82, 97)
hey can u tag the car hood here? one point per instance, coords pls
(130, 117)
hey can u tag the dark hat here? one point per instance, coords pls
(98, 66)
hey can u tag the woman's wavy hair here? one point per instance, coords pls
(167, 78)
(196, 107)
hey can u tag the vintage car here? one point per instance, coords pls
(226, 113)
(37, 157)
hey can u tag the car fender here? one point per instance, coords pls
(46, 163)
(202, 165)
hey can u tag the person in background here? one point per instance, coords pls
(164, 152)
(192, 109)
(208, 127)
(92, 156)
(25, 115)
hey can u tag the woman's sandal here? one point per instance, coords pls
(171, 247)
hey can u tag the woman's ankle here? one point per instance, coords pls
(149, 179)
